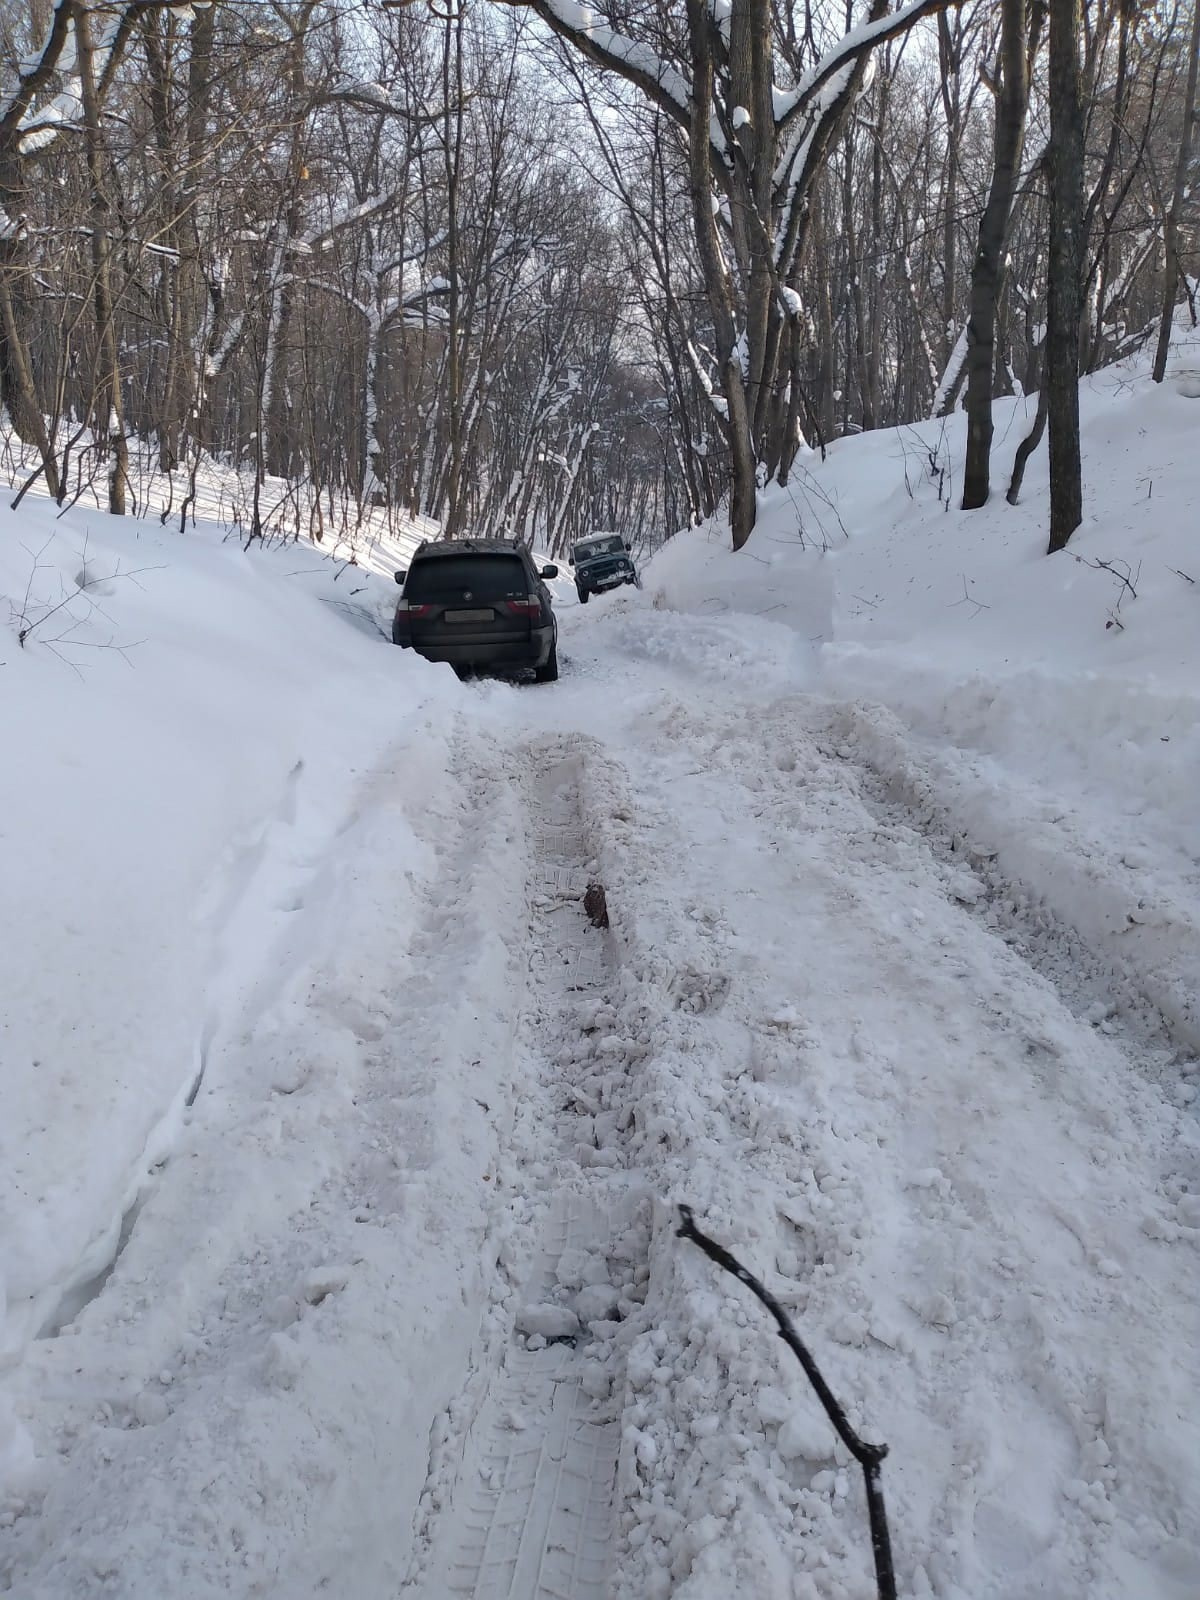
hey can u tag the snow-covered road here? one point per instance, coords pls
(404, 1313)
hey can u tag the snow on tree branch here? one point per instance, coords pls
(637, 63)
(791, 103)
(34, 130)
(718, 402)
(375, 206)
(951, 376)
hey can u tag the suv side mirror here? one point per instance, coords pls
(400, 575)
(628, 547)
(548, 572)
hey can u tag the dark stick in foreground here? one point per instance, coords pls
(869, 1456)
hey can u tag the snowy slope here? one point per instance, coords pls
(892, 980)
(1058, 701)
(183, 720)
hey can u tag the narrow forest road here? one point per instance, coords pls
(405, 1315)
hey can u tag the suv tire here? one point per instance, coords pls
(584, 596)
(548, 672)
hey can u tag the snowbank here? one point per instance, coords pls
(1062, 691)
(186, 725)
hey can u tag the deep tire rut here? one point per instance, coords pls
(533, 1512)
(1093, 988)
(521, 1499)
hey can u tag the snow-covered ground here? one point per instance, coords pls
(343, 1130)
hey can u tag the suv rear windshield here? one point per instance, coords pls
(613, 545)
(484, 577)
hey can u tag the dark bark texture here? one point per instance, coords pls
(1063, 299)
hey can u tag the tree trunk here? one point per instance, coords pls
(1171, 237)
(743, 504)
(1026, 448)
(276, 449)
(1091, 352)
(751, 176)
(452, 93)
(949, 55)
(17, 390)
(1065, 161)
(184, 354)
(862, 333)
(823, 400)
(1012, 98)
(107, 412)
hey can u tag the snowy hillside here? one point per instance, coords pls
(1057, 698)
(184, 721)
(341, 1145)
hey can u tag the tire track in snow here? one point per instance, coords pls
(1096, 989)
(1091, 920)
(969, 1177)
(519, 1503)
(1135, 1025)
(531, 1517)
(304, 1281)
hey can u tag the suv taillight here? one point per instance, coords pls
(411, 608)
(526, 608)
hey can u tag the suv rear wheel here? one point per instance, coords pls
(548, 673)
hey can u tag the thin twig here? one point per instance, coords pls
(80, 588)
(969, 599)
(869, 1456)
(27, 485)
(1125, 579)
(33, 572)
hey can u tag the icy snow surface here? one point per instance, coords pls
(897, 991)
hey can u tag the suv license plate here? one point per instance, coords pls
(470, 616)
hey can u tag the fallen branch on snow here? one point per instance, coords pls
(869, 1456)
(1126, 579)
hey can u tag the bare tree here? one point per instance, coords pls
(1172, 229)
(1064, 161)
(753, 158)
(1011, 91)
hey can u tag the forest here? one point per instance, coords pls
(530, 269)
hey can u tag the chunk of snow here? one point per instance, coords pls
(324, 1281)
(597, 1303)
(150, 1408)
(284, 1362)
(807, 1437)
(549, 1320)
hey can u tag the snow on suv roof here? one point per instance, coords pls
(457, 547)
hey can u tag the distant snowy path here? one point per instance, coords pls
(405, 1315)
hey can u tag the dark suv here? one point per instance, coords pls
(478, 603)
(602, 561)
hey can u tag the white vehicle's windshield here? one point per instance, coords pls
(610, 545)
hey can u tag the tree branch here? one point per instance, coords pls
(869, 1456)
(614, 52)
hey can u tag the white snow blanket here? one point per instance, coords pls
(340, 1149)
